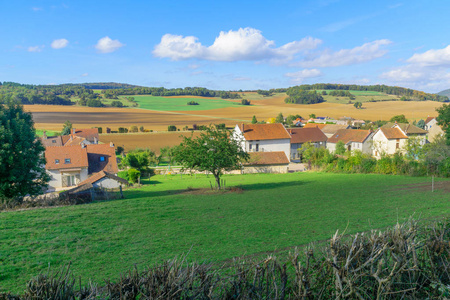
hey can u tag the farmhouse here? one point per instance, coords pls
(354, 139)
(263, 138)
(70, 165)
(299, 136)
(388, 141)
(77, 137)
(430, 122)
(266, 162)
(103, 179)
(410, 131)
(331, 129)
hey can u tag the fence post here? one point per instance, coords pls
(92, 194)
(121, 193)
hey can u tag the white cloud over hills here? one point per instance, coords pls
(107, 45)
(300, 76)
(243, 44)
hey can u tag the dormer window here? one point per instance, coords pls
(56, 161)
(54, 141)
(67, 161)
(102, 158)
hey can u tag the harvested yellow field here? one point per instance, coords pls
(152, 140)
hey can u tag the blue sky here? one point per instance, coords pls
(227, 44)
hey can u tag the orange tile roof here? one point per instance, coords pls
(76, 140)
(77, 155)
(108, 152)
(267, 158)
(429, 119)
(87, 133)
(305, 135)
(314, 125)
(393, 133)
(350, 135)
(333, 128)
(100, 175)
(264, 132)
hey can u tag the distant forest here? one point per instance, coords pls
(66, 94)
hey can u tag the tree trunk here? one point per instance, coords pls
(217, 180)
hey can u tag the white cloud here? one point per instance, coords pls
(438, 57)
(37, 8)
(35, 48)
(107, 45)
(364, 53)
(243, 44)
(84, 74)
(59, 43)
(425, 71)
(300, 76)
(241, 78)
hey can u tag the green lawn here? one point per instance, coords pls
(180, 104)
(40, 132)
(159, 221)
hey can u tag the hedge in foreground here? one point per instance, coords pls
(408, 261)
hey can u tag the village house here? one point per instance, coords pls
(71, 165)
(299, 136)
(263, 138)
(411, 131)
(266, 162)
(430, 122)
(330, 129)
(77, 137)
(388, 141)
(353, 139)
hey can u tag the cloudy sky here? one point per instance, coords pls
(227, 44)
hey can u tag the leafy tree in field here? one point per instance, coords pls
(245, 102)
(212, 151)
(134, 128)
(279, 118)
(399, 119)
(271, 120)
(421, 124)
(444, 120)
(116, 103)
(139, 159)
(22, 158)
(340, 148)
(171, 128)
(141, 129)
(312, 116)
(254, 120)
(67, 128)
(94, 103)
(357, 105)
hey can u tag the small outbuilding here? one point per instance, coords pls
(266, 162)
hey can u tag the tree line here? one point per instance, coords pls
(161, 91)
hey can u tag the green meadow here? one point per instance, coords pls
(180, 104)
(174, 215)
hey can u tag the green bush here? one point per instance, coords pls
(116, 103)
(133, 175)
(172, 128)
(94, 103)
(192, 103)
(123, 174)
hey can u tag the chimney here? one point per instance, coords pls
(44, 135)
(95, 140)
(111, 144)
(242, 127)
(83, 146)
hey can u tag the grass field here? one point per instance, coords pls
(160, 221)
(180, 103)
(40, 132)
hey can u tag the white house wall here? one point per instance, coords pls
(270, 146)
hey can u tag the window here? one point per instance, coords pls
(250, 147)
(54, 141)
(56, 161)
(257, 147)
(67, 161)
(102, 158)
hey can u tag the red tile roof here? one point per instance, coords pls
(333, 128)
(267, 158)
(305, 135)
(74, 140)
(95, 152)
(77, 155)
(429, 119)
(87, 133)
(393, 133)
(350, 135)
(254, 132)
(100, 175)
(314, 125)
